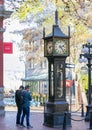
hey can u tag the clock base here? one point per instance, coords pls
(54, 114)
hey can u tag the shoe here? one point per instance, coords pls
(22, 126)
(28, 127)
(18, 125)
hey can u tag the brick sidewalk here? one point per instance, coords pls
(36, 119)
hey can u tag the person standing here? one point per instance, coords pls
(19, 103)
(26, 107)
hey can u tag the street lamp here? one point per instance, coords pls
(86, 56)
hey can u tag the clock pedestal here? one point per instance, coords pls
(54, 114)
(55, 108)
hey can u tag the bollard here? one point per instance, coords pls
(90, 120)
(82, 110)
(64, 122)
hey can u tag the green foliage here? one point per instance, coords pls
(29, 7)
(33, 87)
(84, 81)
(80, 28)
(23, 11)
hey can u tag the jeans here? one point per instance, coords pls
(19, 112)
(26, 112)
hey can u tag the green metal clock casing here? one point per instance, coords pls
(56, 49)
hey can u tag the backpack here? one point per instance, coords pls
(19, 97)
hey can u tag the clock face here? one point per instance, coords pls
(49, 47)
(60, 47)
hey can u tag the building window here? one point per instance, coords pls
(32, 64)
(44, 64)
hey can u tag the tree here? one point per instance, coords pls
(44, 16)
(76, 14)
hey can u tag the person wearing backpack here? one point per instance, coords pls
(26, 107)
(19, 103)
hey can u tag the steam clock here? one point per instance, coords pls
(56, 49)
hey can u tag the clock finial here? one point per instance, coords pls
(56, 17)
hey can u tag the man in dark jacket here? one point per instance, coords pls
(26, 107)
(19, 103)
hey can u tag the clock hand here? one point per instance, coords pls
(61, 47)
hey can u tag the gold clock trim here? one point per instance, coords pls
(49, 47)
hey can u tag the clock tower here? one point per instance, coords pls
(56, 49)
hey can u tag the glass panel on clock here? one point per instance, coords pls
(61, 47)
(59, 88)
(51, 81)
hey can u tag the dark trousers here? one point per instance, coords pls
(26, 112)
(19, 112)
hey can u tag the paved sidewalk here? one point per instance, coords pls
(36, 119)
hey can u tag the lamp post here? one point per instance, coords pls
(86, 56)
